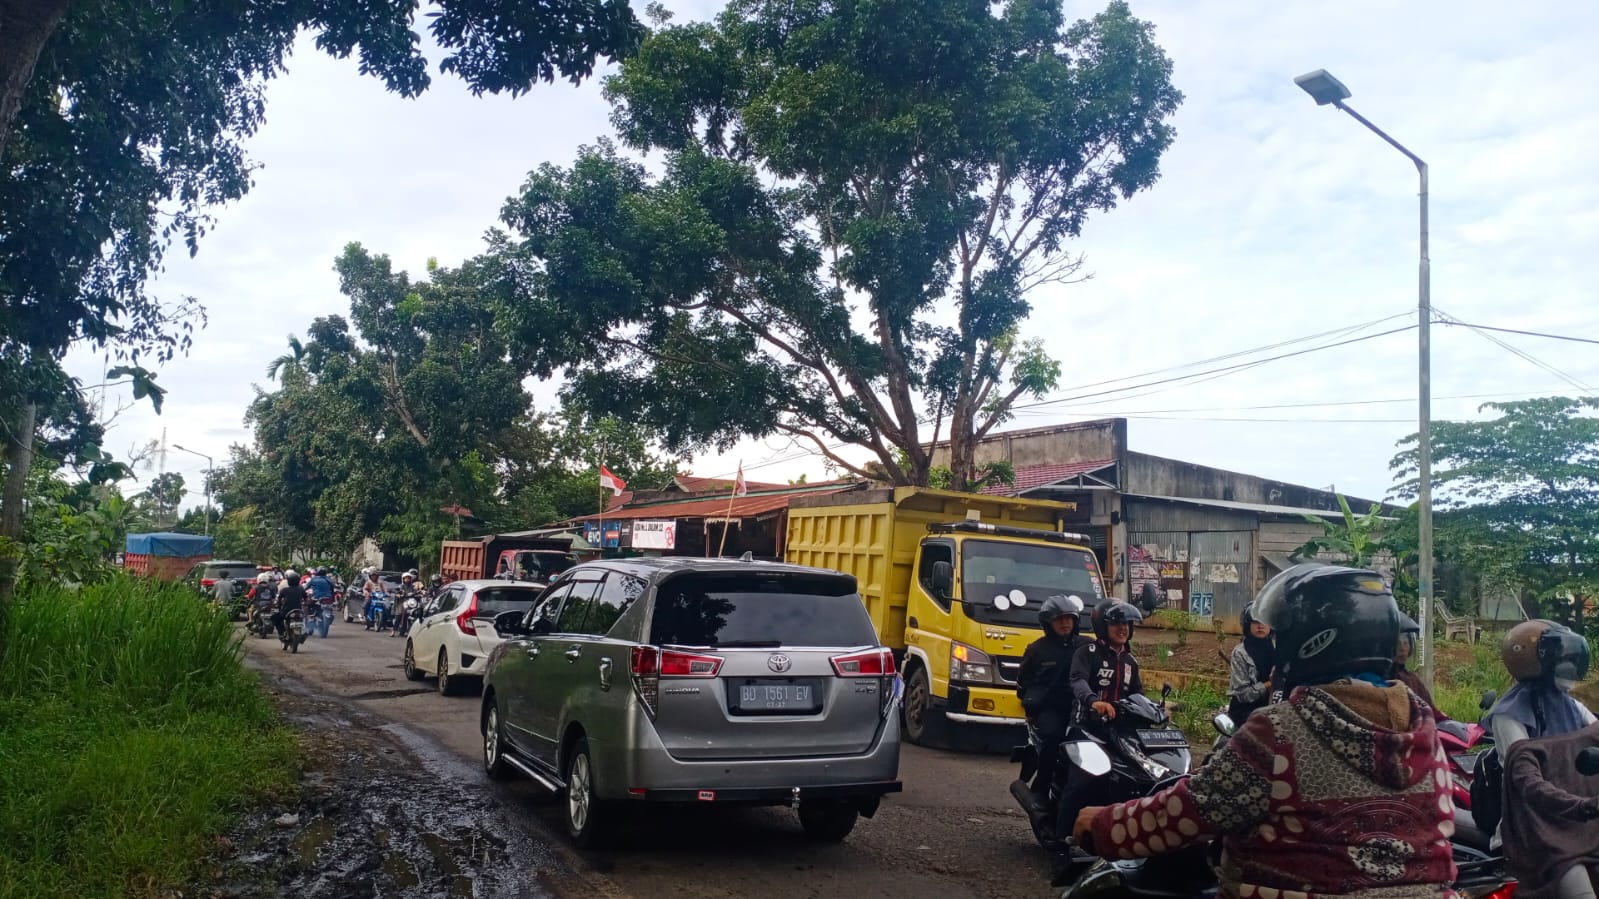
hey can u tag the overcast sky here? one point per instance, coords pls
(1273, 220)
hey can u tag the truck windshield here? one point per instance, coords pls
(1005, 583)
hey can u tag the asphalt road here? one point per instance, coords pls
(954, 832)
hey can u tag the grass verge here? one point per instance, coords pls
(130, 736)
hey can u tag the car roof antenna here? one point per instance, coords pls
(748, 556)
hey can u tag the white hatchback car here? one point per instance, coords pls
(452, 638)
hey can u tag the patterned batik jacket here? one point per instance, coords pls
(1341, 790)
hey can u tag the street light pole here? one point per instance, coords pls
(1326, 89)
(209, 467)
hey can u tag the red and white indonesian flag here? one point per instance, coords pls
(607, 479)
(740, 488)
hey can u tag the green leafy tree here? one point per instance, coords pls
(855, 203)
(104, 163)
(1358, 540)
(165, 492)
(1519, 498)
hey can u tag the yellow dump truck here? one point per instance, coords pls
(953, 582)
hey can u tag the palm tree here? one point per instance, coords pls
(289, 364)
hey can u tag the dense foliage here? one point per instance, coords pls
(856, 203)
(1518, 500)
(381, 423)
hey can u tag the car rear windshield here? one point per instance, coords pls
(738, 609)
(503, 599)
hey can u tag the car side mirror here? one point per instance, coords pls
(543, 626)
(1148, 599)
(1224, 724)
(943, 580)
(1588, 761)
(509, 622)
(1165, 690)
(1489, 697)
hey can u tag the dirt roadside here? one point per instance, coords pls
(384, 812)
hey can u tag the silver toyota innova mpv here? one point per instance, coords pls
(696, 681)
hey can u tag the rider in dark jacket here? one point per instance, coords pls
(291, 598)
(1103, 671)
(1044, 683)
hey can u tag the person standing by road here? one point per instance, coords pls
(222, 588)
(1254, 661)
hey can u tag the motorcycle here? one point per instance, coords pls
(1191, 871)
(293, 631)
(1462, 743)
(1128, 755)
(259, 620)
(378, 613)
(321, 619)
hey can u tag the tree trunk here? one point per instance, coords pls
(25, 27)
(19, 462)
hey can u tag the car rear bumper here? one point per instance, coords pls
(773, 795)
(649, 768)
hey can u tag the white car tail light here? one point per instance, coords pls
(464, 620)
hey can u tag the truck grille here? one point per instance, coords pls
(1010, 668)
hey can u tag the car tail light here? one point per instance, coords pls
(207, 582)
(878, 663)
(650, 664)
(464, 620)
(871, 663)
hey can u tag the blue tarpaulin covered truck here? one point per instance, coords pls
(165, 556)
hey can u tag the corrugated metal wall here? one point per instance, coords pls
(1222, 565)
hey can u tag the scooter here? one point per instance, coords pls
(1191, 871)
(293, 631)
(377, 611)
(1463, 742)
(1127, 755)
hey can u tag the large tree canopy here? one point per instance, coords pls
(856, 201)
(122, 123)
(412, 406)
(1519, 497)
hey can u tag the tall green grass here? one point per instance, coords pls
(129, 737)
(1457, 685)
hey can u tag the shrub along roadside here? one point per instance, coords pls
(129, 735)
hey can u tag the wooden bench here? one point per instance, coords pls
(1456, 625)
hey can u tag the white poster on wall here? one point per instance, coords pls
(655, 534)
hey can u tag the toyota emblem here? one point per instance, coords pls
(779, 663)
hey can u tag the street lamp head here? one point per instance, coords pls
(1323, 87)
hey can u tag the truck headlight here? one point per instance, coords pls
(969, 665)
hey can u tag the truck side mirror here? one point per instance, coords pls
(1588, 761)
(1489, 697)
(1148, 598)
(943, 580)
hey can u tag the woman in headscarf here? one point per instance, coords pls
(1253, 663)
(1408, 629)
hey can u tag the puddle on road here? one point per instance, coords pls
(308, 845)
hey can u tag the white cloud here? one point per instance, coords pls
(1273, 219)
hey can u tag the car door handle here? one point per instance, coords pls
(573, 654)
(605, 674)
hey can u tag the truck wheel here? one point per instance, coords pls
(827, 822)
(923, 724)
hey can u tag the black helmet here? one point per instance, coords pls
(1060, 606)
(1330, 620)
(436, 579)
(1114, 611)
(1409, 630)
